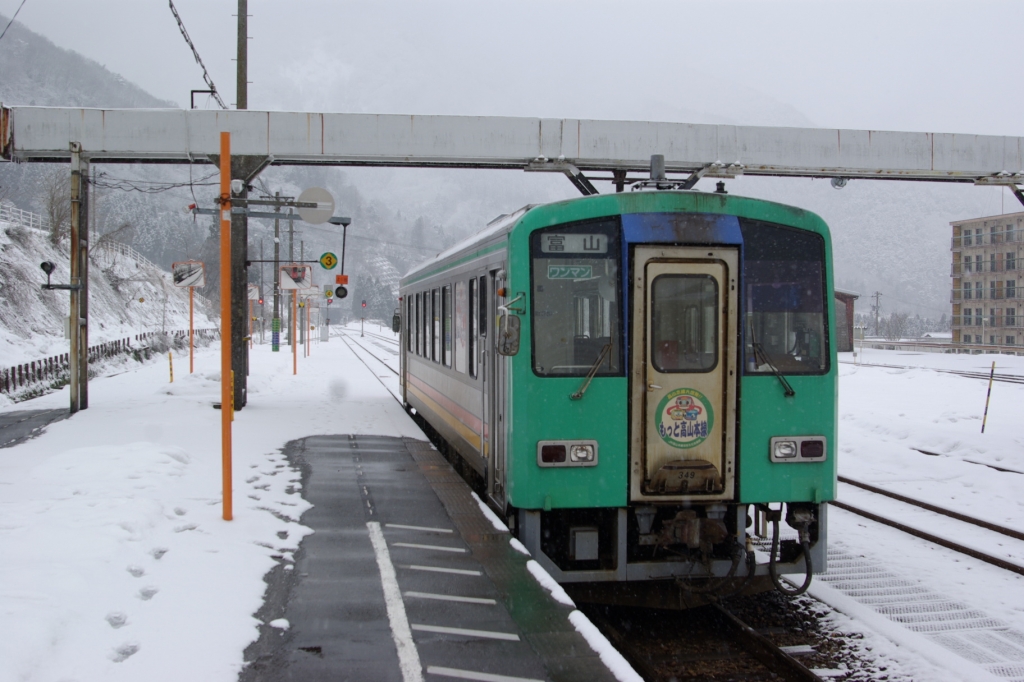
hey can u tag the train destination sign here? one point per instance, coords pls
(570, 272)
(574, 243)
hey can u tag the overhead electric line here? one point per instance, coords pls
(195, 52)
(12, 19)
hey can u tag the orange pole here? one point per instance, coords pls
(226, 405)
(191, 308)
(295, 344)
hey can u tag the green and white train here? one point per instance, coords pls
(641, 383)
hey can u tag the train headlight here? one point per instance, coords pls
(567, 453)
(784, 449)
(581, 453)
(798, 449)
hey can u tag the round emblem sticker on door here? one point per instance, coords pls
(684, 418)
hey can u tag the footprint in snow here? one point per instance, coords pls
(147, 593)
(252, 479)
(158, 552)
(187, 526)
(117, 619)
(124, 652)
(136, 571)
(180, 512)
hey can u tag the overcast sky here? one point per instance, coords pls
(925, 66)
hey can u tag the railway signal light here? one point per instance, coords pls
(341, 292)
(364, 304)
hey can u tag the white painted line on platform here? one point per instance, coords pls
(451, 597)
(408, 657)
(473, 675)
(487, 634)
(425, 529)
(410, 545)
(438, 569)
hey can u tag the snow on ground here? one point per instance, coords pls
(118, 565)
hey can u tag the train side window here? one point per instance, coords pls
(421, 335)
(428, 324)
(446, 325)
(461, 326)
(419, 326)
(473, 327)
(435, 326)
(406, 329)
(483, 306)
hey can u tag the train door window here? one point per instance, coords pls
(446, 325)
(419, 326)
(483, 306)
(423, 325)
(408, 320)
(435, 325)
(473, 327)
(684, 326)
(461, 326)
(784, 298)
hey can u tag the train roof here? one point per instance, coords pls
(500, 225)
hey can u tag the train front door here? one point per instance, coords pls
(683, 371)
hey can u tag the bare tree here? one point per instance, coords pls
(123, 233)
(895, 326)
(55, 198)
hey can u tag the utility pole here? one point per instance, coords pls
(877, 295)
(275, 329)
(242, 72)
(302, 313)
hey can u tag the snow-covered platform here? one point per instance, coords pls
(404, 573)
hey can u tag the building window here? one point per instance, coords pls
(967, 263)
(967, 237)
(967, 291)
(977, 339)
(979, 266)
(992, 263)
(996, 235)
(1011, 317)
(991, 340)
(1011, 261)
(979, 290)
(978, 319)
(967, 317)
(993, 292)
(992, 317)
(1011, 288)
(1011, 340)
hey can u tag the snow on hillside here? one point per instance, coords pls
(126, 297)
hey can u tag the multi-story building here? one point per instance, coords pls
(986, 272)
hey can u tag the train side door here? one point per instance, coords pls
(495, 397)
(684, 373)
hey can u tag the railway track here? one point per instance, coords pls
(969, 521)
(709, 643)
(1006, 378)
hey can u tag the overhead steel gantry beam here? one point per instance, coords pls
(570, 146)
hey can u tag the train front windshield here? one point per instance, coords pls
(576, 306)
(784, 300)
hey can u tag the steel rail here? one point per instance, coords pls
(1009, 532)
(349, 340)
(948, 544)
(1008, 378)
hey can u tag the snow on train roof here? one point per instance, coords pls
(500, 224)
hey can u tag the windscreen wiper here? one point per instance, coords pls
(590, 375)
(761, 357)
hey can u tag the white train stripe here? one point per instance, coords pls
(457, 550)
(450, 597)
(425, 529)
(487, 634)
(473, 675)
(438, 569)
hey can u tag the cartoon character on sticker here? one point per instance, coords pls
(684, 418)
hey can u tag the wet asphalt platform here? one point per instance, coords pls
(459, 602)
(17, 426)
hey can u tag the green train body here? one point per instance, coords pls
(640, 382)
